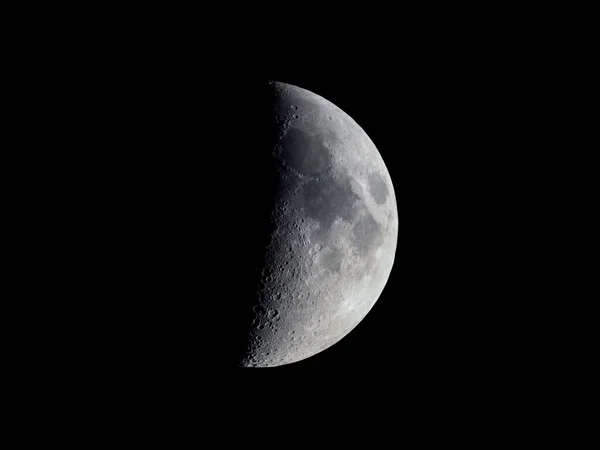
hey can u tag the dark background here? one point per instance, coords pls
(456, 108)
(154, 135)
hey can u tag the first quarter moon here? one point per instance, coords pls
(333, 233)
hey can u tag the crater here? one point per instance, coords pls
(304, 104)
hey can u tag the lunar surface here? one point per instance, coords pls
(332, 236)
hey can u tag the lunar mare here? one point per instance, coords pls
(334, 234)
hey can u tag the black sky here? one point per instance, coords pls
(170, 187)
(141, 137)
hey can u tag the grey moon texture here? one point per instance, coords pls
(334, 234)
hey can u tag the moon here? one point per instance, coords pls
(333, 234)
